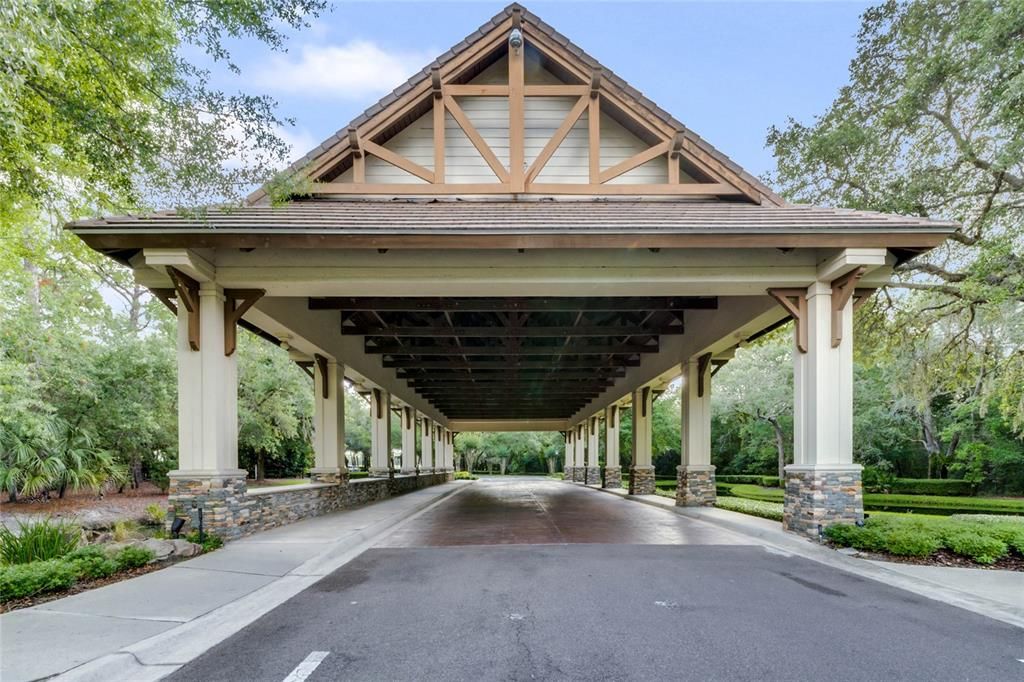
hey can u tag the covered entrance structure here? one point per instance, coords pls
(514, 239)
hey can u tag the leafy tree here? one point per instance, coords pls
(103, 110)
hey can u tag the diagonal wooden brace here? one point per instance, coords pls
(187, 291)
(236, 302)
(842, 291)
(795, 303)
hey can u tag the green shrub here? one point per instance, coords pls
(932, 486)
(124, 529)
(209, 543)
(92, 562)
(911, 542)
(37, 541)
(156, 514)
(464, 476)
(723, 489)
(756, 492)
(133, 557)
(939, 503)
(989, 518)
(771, 481)
(358, 474)
(739, 478)
(979, 546)
(766, 510)
(25, 580)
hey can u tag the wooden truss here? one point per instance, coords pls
(593, 94)
(843, 289)
(236, 303)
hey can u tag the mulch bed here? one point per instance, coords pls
(944, 557)
(84, 586)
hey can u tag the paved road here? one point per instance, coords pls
(520, 580)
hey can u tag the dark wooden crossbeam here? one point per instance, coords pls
(567, 349)
(506, 304)
(509, 332)
(514, 363)
(448, 373)
(512, 382)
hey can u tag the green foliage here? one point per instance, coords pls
(37, 541)
(133, 557)
(124, 529)
(766, 510)
(156, 514)
(771, 481)
(753, 479)
(210, 542)
(26, 580)
(92, 562)
(933, 486)
(522, 452)
(921, 536)
(464, 476)
(920, 503)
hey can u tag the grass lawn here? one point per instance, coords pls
(935, 504)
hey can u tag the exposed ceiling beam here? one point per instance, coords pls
(574, 349)
(509, 332)
(512, 363)
(528, 304)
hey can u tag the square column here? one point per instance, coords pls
(438, 448)
(328, 424)
(207, 476)
(695, 478)
(408, 440)
(823, 486)
(593, 470)
(570, 455)
(380, 433)
(641, 474)
(612, 468)
(579, 471)
(449, 450)
(427, 446)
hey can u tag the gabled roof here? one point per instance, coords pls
(338, 143)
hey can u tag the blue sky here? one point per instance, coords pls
(728, 70)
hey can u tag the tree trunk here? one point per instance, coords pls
(932, 446)
(261, 466)
(136, 473)
(780, 445)
(12, 494)
(63, 489)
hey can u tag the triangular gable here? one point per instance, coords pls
(473, 76)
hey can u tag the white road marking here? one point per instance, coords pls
(666, 604)
(306, 668)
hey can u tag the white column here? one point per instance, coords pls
(451, 451)
(696, 415)
(581, 445)
(328, 423)
(380, 432)
(593, 444)
(438, 448)
(426, 446)
(569, 454)
(611, 437)
(207, 395)
(823, 387)
(643, 405)
(408, 440)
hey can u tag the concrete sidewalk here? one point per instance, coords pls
(147, 627)
(996, 594)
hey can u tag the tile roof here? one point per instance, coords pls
(440, 217)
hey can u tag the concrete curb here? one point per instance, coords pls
(158, 656)
(781, 541)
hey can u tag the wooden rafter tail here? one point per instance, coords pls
(702, 368)
(358, 158)
(795, 303)
(476, 139)
(674, 154)
(165, 296)
(325, 380)
(233, 311)
(843, 289)
(187, 290)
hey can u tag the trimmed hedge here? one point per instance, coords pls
(36, 577)
(766, 510)
(932, 486)
(917, 536)
(739, 478)
(923, 503)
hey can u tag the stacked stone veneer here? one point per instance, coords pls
(579, 474)
(231, 511)
(567, 473)
(695, 486)
(592, 475)
(612, 477)
(641, 481)
(816, 499)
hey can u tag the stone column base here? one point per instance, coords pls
(641, 481)
(221, 496)
(426, 471)
(567, 473)
(380, 473)
(818, 497)
(695, 486)
(592, 475)
(613, 477)
(328, 475)
(579, 474)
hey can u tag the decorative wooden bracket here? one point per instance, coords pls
(435, 82)
(842, 291)
(861, 296)
(233, 311)
(718, 365)
(166, 296)
(702, 368)
(643, 400)
(795, 303)
(358, 157)
(304, 366)
(595, 84)
(321, 364)
(408, 416)
(593, 426)
(379, 411)
(615, 413)
(187, 291)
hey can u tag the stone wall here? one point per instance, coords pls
(579, 474)
(592, 475)
(695, 486)
(817, 498)
(641, 481)
(613, 477)
(567, 473)
(231, 511)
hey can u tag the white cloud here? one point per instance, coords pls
(299, 139)
(350, 71)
